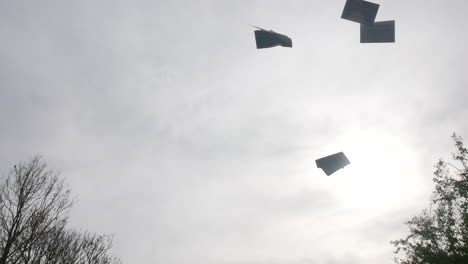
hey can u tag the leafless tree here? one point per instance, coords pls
(34, 208)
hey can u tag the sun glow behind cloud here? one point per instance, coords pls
(375, 181)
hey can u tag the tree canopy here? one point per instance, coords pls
(439, 235)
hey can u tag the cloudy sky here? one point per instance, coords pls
(191, 146)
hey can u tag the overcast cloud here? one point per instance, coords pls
(191, 146)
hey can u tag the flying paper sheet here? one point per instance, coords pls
(333, 163)
(268, 39)
(360, 11)
(380, 32)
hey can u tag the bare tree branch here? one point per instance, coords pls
(34, 209)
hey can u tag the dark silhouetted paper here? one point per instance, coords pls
(333, 163)
(360, 11)
(380, 32)
(269, 39)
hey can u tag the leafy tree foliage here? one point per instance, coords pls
(439, 235)
(34, 208)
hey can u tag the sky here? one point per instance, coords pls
(191, 146)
